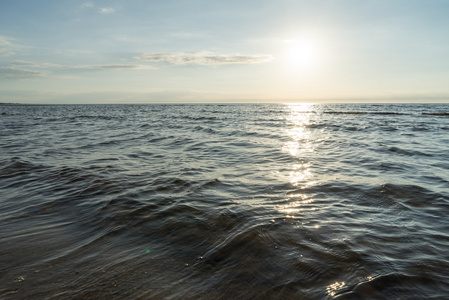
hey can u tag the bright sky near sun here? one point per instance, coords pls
(138, 51)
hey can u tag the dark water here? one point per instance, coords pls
(224, 202)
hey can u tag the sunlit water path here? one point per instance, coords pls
(224, 201)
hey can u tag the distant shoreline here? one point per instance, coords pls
(22, 104)
(220, 103)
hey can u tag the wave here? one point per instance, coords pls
(394, 285)
(238, 201)
(436, 114)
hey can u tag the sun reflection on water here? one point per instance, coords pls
(294, 207)
(300, 146)
(300, 143)
(299, 173)
(333, 289)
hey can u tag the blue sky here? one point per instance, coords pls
(139, 51)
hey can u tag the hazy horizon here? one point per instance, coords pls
(199, 51)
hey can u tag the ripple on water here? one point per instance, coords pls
(224, 202)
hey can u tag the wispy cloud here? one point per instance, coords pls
(203, 58)
(4, 41)
(44, 65)
(4, 53)
(23, 63)
(87, 4)
(103, 10)
(15, 73)
(106, 10)
(6, 46)
(122, 67)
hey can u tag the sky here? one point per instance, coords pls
(195, 51)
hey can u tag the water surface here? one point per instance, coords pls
(344, 201)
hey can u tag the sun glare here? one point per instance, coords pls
(300, 53)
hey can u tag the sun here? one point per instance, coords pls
(301, 53)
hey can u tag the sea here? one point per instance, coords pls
(224, 201)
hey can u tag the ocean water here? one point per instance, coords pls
(256, 201)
